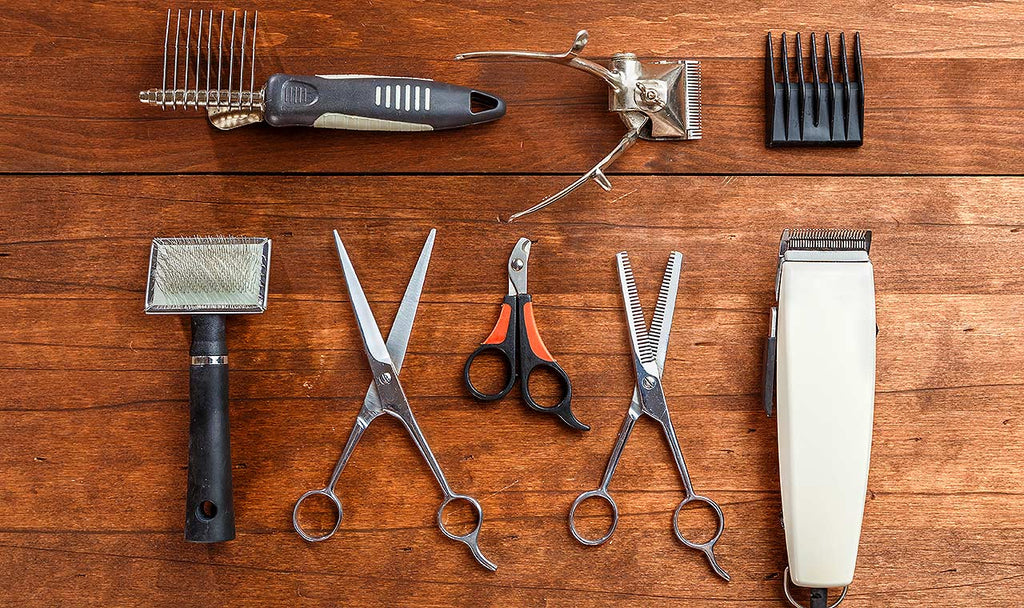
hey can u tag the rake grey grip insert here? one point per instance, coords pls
(209, 509)
(375, 103)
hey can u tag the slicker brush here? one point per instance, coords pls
(208, 278)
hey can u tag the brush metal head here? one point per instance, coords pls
(208, 275)
(211, 65)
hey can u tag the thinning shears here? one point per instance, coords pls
(516, 339)
(385, 396)
(649, 347)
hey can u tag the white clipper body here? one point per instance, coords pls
(820, 366)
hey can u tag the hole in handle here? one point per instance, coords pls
(206, 510)
(481, 102)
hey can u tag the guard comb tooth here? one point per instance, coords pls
(787, 93)
(847, 101)
(831, 86)
(816, 96)
(801, 97)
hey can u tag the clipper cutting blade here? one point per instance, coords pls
(816, 113)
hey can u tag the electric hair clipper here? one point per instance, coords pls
(820, 370)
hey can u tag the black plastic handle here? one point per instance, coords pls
(209, 509)
(533, 354)
(375, 103)
(502, 340)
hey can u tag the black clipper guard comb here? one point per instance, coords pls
(816, 113)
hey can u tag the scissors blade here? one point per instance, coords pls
(368, 329)
(401, 328)
(634, 312)
(661, 323)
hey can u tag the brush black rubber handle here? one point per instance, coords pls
(375, 103)
(209, 509)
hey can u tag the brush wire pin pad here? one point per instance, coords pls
(208, 275)
(657, 101)
(827, 112)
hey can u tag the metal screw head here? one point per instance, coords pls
(517, 264)
(384, 378)
(649, 382)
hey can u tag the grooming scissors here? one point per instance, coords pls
(385, 396)
(649, 348)
(516, 339)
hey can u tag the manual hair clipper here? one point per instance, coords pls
(820, 369)
(658, 101)
(211, 78)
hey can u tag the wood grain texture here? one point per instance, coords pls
(93, 419)
(93, 393)
(943, 83)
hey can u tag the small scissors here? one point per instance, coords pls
(516, 338)
(649, 350)
(385, 396)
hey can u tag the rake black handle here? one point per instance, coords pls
(209, 509)
(375, 103)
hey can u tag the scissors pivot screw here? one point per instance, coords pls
(518, 264)
(650, 382)
(384, 378)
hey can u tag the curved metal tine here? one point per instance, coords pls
(231, 57)
(664, 310)
(252, 58)
(199, 44)
(596, 174)
(209, 57)
(188, 49)
(241, 61)
(174, 72)
(220, 59)
(167, 38)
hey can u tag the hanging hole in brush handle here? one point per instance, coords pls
(209, 508)
(375, 103)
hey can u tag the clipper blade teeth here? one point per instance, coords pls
(825, 239)
(694, 109)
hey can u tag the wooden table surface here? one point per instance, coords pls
(93, 394)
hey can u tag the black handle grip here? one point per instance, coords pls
(209, 509)
(375, 103)
(534, 354)
(502, 340)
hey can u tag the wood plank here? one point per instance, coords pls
(942, 90)
(93, 450)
